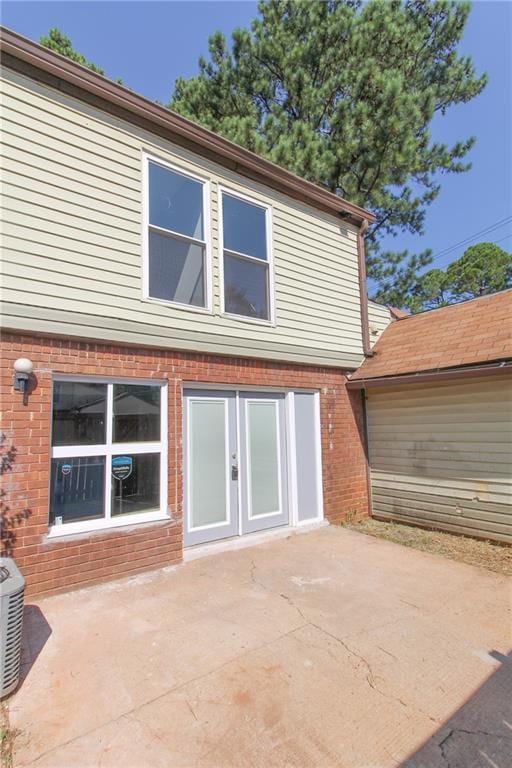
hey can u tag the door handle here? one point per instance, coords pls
(234, 472)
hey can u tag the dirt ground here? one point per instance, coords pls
(484, 554)
(6, 737)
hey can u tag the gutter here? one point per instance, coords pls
(363, 291)
(500, 368)
(40, 63)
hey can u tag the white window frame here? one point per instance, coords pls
(205, 182)
(271, 321)
(110, 449)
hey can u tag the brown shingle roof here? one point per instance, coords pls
(476, 331)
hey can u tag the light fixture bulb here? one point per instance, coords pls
(23, 365)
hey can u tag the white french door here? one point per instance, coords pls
(235, 464)
(263, 487)
(210, 466)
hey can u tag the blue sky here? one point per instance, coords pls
(149, 44)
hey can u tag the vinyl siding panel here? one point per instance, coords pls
(441, 455)
(72, 236)
(379, 317)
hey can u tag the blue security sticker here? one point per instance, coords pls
(122, 467)
(66, 469)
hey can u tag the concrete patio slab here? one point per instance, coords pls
(328, 649)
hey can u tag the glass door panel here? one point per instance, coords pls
(263, 455)
(262, 461)
(211, 507)
(208, 466)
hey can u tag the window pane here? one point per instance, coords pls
(77, 489)
(78, 413)
(175, 202)
(136, 413)
(244, 227)
(245, 287)
(135, 483)
(208, 503)
(176, 270)
(263, 458)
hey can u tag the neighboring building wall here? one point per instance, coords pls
(72, 242)
(441, 455)
(58, 564)
(379, 317)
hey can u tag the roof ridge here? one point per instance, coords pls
(489, 296)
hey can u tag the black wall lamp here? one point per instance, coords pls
(23, 368)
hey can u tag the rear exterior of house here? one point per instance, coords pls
(438, 392)
(191, 313)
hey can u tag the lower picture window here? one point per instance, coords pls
(97, 485)
(77, 489)
(135, 483)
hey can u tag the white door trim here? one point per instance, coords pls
(289, 457)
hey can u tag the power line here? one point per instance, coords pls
(502, 238)
(486, 230)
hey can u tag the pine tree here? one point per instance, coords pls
(60, 43)
(343, 94)
(482, 269)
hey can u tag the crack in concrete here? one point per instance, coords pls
(370, 676)
(477, 732)
(130, 713)
(292, 604)
(388, 653)
(254, 579)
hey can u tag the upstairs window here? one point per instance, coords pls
(246, 258)
(176, 237)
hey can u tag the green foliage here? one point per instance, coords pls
(430, 292)
(482, 269)
(343, 93)
(60, 43)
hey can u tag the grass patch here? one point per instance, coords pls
(483, 554)
(7, 736)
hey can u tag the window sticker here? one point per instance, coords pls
(122, 467)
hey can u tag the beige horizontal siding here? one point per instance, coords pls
(72, 260)
(441, 455)
(379, 318)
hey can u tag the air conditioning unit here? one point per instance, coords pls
(12, 589)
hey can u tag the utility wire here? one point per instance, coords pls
(486, 230)
(502, 238)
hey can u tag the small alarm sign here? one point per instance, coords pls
(122, 467)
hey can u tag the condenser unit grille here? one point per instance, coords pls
(12, 654)
(12, 588)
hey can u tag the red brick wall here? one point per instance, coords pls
(59, 564)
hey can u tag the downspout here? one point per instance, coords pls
(361, 258)
(364, 402)
(365, 330)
